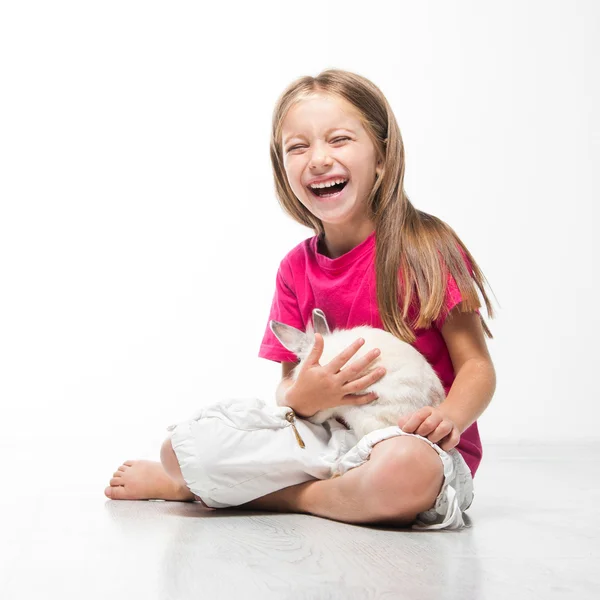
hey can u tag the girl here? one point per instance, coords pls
(338, 162)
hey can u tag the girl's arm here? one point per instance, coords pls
(475, 377)
(285, 383)
(471, 391)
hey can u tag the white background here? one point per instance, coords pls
(139, 230)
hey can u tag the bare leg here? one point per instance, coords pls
(402, 478)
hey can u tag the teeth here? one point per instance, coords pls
(327, 184)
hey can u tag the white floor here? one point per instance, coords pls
(534, 534)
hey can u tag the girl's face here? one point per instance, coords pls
(323, 138)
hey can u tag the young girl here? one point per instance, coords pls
(338, 162)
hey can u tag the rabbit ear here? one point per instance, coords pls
(320, 322)
(291, 338)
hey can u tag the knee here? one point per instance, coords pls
(168, 458)
(406, 478)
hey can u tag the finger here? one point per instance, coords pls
(402, 420)
(429, 425)
(358, 385)
(415, 420)
(441, 431)
(357, 367)
(341, 359)
(315, 354)
(360, 398)
(451, 441)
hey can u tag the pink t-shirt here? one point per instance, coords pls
(344, 289)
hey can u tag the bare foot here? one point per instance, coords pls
(145, 480)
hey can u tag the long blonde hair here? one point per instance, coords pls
(408, 241)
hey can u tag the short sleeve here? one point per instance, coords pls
(284, 309)
(453, 296)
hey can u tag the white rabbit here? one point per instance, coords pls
(409, 383)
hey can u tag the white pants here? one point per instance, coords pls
(238, 450)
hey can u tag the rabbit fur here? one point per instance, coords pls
(409, 383)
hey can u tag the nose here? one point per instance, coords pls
(320, 157)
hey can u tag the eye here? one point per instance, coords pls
(338, 139)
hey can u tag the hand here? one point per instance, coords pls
(431, 423)
(321, 387)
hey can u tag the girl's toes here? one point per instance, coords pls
(121, 468)
(115, 492)
(118, 474)
(118, 481)
(129, 463)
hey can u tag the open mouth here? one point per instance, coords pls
(329, 192)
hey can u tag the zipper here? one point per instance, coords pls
(291, 417)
